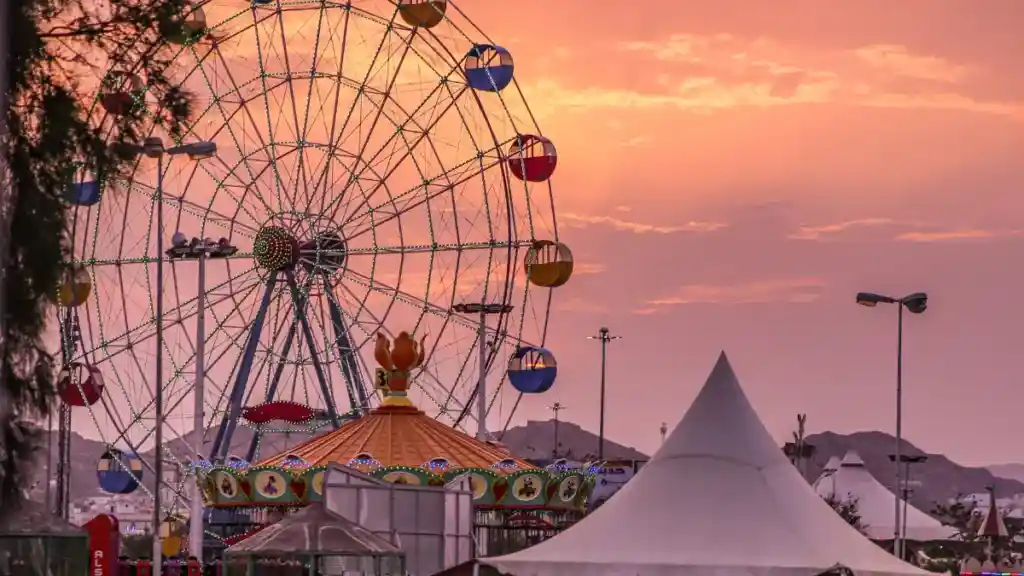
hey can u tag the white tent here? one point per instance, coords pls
(718, 499)
(875, 503)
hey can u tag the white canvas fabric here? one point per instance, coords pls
(718, 499)
(876, 503)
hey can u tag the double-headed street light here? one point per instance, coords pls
(916, 303)
(481, 387)
(199, 250)
(154, 148)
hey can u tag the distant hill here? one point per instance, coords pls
(1008, 471)
(940, 477)
(85, 453)
(536, 440)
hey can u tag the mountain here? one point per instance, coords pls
(85, 454)
(940, 478)
(536, 440)
(1008, 471)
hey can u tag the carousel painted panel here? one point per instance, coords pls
(563, 490)
(525, 488)
(314, 480)
(229, 487)
(272, 486)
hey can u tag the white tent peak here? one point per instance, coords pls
(852, 460)
(718, 499)
(721, 423)
(833, 464)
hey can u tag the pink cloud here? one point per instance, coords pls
(796, 290)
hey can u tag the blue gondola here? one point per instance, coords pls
(532, 370)
(488, 68)
(119, 472)
(84, 193)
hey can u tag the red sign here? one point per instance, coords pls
(104, 545)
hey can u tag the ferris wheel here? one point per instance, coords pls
(350, 168)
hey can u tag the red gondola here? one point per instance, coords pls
(281, 410)
(80, 385)
(532, 158)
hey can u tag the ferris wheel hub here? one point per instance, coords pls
(275, 248)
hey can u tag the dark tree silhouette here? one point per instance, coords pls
(61, 54)
(847, 510)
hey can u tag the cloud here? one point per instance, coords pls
(581, 306)
(899, 61)
(953, 235)
(818, 232)
(712, 72)
(572, 220)
(587, 268)
(797, 290)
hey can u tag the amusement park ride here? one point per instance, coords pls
(397, 180)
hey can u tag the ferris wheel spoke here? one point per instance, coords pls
(278, 184)
(142, 332)
(423, 133)
(413, 200)
(228, 126)
(379, 325)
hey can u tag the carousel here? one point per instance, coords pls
(516, 503)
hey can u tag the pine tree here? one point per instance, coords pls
(62, 53)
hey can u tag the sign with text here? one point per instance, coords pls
(104, 545)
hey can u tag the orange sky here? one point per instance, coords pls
(732, 172)
(740, 169)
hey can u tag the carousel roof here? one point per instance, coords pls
(398, 436)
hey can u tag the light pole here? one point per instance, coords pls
(154, 148)
(605, 337)
(556, 408)
(916, 303)
(481, 386)
(198, 250)
(905, 490)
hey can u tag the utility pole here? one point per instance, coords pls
(604, 335)
(556, 408)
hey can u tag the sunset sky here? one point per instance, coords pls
(731, 173)
(739, 169)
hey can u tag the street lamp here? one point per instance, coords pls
(154, 148)
(916, 303)
(199, 250)
(481, 387)
(605, 337)
(556, 408)
(907, 461)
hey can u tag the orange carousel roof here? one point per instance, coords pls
(398, 436)
(397, 433)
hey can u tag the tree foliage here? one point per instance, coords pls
(848, 510)
(964, 517)
(62, 54)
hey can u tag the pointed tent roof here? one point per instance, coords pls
(992, 525)
(718, 498)
(876, 503)
(833, 464)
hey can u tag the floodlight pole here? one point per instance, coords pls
(158, 399)
(556, 408)
(481, 386)
(605, 337)
(154, 148)
(916, 303)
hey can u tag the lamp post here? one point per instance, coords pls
(199, 250)
(481, 386)
(604, 335)
(905, 490)
(916, 303)
(556, 408)
(154, 148)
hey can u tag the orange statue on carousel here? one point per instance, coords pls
(398, 359)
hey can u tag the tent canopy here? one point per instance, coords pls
(875, 503)
(719, 498)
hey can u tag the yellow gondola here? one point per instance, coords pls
(548, 264)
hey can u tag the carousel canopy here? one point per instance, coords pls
(314, 530)
(719, 498)
(398, 436)
(875, 503)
